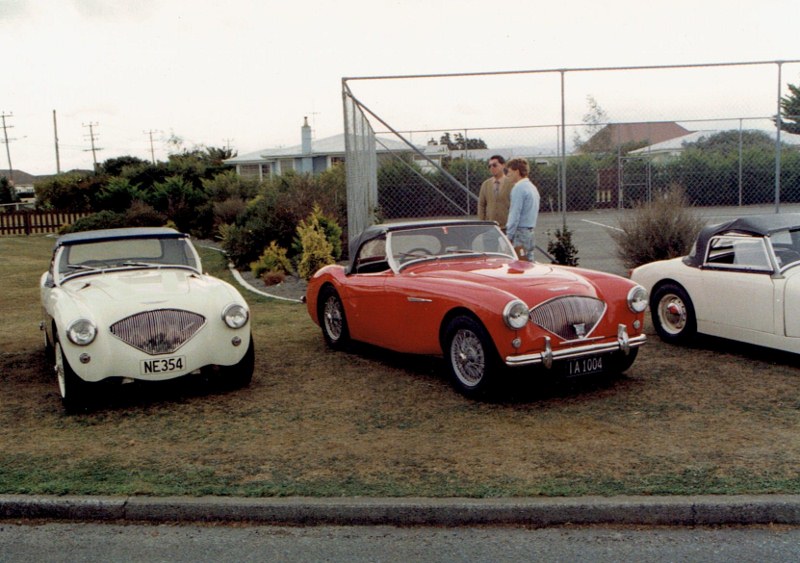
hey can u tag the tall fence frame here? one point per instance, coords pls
(361, 209)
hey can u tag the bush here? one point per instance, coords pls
(226, 212)
(329, 226)
(662, 229)
(317, 250)
(273, 259)
(7, 192)
(272, 277)
(101, 220)
(142, 215)
(561, 248)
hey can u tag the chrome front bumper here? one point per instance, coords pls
(546, 357)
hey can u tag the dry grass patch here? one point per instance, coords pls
(370, 422)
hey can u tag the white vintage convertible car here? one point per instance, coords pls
(127, 304)
(740, 281)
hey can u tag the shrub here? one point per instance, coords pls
(317, 250)
(272, 260)
(658, 230)
(561, 248)
(329, 226)
(142, 215)
(101, 220)
(226, 212)
(271, 277)
(117, 195)
(7, 192)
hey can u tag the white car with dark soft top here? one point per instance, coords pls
(741, 280)
(128, 304)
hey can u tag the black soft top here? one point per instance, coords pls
(376, 231)
(117, 234)
(759, 225)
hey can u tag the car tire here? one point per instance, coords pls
(471, 357)
(673, 314)
(621, 362)
(239, 374)
(49, 353)
(332, 320)
(74, 391)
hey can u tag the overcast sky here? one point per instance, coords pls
(244, 72)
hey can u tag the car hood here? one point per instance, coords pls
(522, 279)
(145, 289)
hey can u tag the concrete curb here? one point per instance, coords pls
(539, 512)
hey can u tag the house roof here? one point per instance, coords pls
(334, 145)
(650, 132)
(679, 143)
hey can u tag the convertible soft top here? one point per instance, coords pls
(375, 231)
(117, 234)
(759, 225)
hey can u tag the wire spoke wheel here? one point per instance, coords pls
(468, 358)
(471, 356)
(332, 318)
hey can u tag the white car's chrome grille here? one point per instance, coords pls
(571, 317)
(158, 332)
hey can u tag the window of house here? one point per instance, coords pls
(248, 170)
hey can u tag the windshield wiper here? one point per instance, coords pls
(140, 264)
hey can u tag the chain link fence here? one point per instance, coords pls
(597, 139)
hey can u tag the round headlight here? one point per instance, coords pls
(235, 315)
(515, 314)
(81, 332)
(637, 299)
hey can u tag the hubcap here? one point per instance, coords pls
(672, 312)
(467, 357)
(333, 318)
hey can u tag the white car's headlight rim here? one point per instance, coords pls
(516, 314)
(82, 332)
(235, 315)
(637, 299)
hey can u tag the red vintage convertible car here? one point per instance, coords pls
(456, 288)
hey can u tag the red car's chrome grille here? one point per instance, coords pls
(571, 317)
(158, 332)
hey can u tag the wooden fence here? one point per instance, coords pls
(36, 222)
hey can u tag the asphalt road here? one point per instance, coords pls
(591, 231)
(55, 542)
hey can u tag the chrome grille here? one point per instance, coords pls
(158, 332)
(572, 317)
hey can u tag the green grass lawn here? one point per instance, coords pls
(374, 423)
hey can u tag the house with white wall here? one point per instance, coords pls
(311, 155)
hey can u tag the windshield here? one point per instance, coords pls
(127, 253)
(447, 240)
(786, 245)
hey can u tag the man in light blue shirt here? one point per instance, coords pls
(524, 209)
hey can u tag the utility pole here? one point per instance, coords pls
(152, 151)
(55, 134)
(92, 138)
(3, 116)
